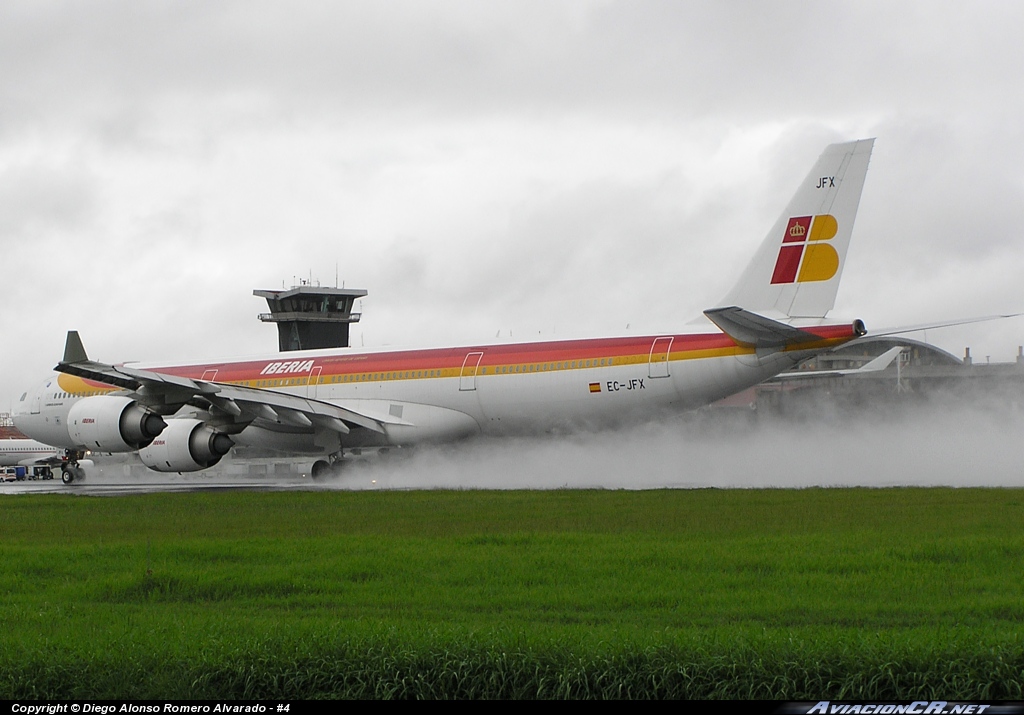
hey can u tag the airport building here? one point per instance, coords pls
(310, 317)
(7, 428)
(922, 373)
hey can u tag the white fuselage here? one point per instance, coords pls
(449, 393)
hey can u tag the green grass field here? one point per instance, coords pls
(782, 594)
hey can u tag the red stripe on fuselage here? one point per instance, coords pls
(352, 363)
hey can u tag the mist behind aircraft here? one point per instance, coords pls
(944, 439)
(941, 443)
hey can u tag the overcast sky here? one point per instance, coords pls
(549, 169)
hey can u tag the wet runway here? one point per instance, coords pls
(924, 448)
(122, 475)
(118, 486)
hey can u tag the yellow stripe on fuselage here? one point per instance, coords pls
(77, 386)
(80, 387)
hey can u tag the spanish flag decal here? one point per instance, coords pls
(595, 387)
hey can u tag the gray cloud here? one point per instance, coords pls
(662, 60)
(38, 200)
(540, 166)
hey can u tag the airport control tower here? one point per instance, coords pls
(310, 317)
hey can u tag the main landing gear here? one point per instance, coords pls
(323, 468)
(70, 469)
(330, 467)
(340, 461)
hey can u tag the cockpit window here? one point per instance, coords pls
(23, 396)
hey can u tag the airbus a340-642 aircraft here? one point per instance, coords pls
(27, 453)
(185, 418)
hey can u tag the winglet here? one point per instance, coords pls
(74, 351)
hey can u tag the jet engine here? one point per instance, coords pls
(110, 423)
(187, 445)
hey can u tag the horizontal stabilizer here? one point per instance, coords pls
(940, 324)
(756, 331)
(877, 365)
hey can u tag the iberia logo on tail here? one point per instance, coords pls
(804, 256)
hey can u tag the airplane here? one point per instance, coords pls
(187, 417)
(27, 453)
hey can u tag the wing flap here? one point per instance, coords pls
(98, 372)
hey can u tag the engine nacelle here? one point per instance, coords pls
(186, 445)
(110, 423)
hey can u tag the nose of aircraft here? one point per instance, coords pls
(20, 408)
(19, 413)
(30, 420)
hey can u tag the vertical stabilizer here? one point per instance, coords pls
(795, 272)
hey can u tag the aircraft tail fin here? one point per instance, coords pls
(796, 270)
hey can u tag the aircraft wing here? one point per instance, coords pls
(167, 393)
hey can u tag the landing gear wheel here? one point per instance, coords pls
(321, 468)
(72, 473)
(70, 469)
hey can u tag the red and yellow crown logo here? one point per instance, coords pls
(804, 257)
